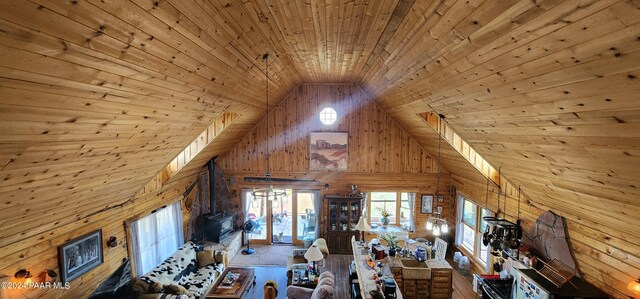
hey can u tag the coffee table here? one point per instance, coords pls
(238, 289)
(301, 278)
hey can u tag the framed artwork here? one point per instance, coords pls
(427, 204)
(440, 197)
(328, 151)
(80, 255)
(439, 209)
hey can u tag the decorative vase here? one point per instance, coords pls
(384, 221)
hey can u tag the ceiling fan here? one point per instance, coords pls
(267, 176)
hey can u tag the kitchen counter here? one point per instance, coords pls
(365, 273)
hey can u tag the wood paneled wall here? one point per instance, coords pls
(605, 257)
(39, 251)
(381, 155)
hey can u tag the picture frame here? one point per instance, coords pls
(328, 151)
(426, 204)
(440, 197)
(439, 209)
(80, 255)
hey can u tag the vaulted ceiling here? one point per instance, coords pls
(98, 95)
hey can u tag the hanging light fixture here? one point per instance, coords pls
(437, 224)
(634, 286)
(268, 192)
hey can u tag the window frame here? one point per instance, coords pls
(328, 114)
(129, 232)
(461, 225)
(397, 210)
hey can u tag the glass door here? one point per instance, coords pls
(257, 212)
(281, 223)
(306, 216)
(286, 219)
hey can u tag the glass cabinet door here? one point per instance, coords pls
(355, 215)
(333, 216)
(344, 216)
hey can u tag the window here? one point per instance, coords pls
(469, 219)
(328, 116)
(156, 237)
(383, 201)
(405, 211)
(396, 203)
(471, 227)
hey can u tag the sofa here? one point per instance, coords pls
(180, 276)
(324, 289)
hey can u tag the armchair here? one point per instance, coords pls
(324, 289)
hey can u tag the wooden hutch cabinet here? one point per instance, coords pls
(341, 214)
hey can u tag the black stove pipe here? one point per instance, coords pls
(211, 165)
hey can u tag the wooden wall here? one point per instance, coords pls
(546, 91)
(39, 251)
(381, 155)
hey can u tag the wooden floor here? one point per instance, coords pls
(338, 264)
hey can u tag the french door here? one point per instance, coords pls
(285, 220)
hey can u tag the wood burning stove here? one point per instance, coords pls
(218, 227)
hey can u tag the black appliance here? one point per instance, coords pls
(494, 288)
(216, 226)
(389, 287)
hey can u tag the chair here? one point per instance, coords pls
(324, 289)
(270, 290)
(440, 247)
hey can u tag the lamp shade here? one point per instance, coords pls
(363, 225)
(313, 254)
(634, 286)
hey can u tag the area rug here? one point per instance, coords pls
(265, 255)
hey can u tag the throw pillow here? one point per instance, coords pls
(322, 292)
(155, 287)
(326, 281)
(176, 289)
(219, 257)
(205, 258)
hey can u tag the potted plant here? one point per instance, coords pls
(385, 217)
(392, 243)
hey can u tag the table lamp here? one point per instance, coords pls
(363, 226)
(314, 254)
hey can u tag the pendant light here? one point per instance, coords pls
(268, 192)
(437, 224)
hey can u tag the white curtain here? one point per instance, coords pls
(317, 206)
(412, 203)
(246, 205)
(364, 204)
(156, 237)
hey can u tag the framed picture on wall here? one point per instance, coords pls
(80, 255)
(328, 151)
(439, 209)
(440, 197)
(427, 204)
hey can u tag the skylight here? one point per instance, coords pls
(190, 152)
(461, 146)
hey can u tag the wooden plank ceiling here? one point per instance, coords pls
(96, 96)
